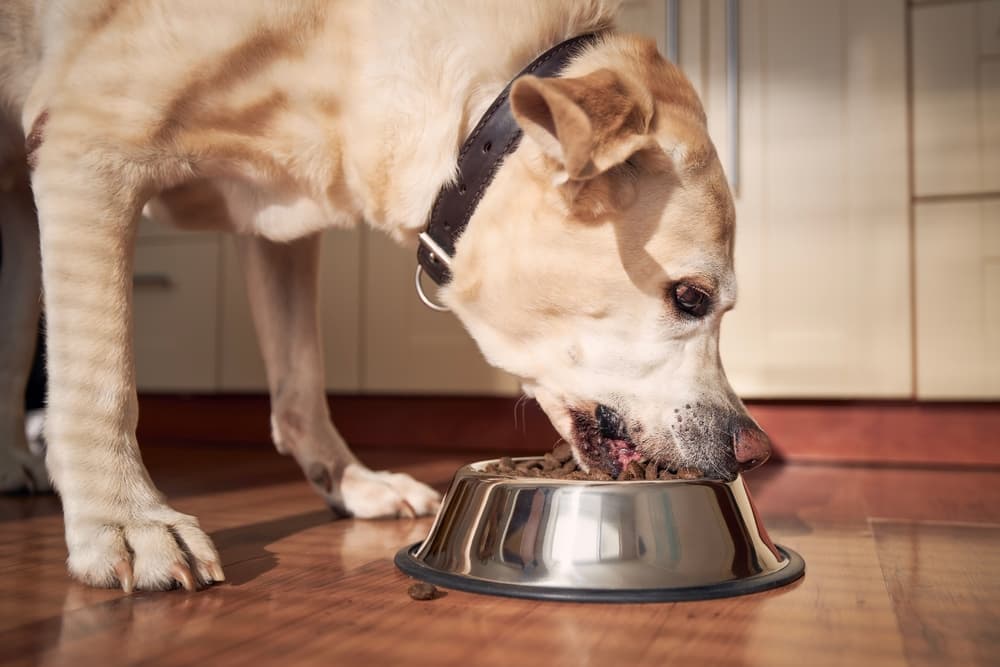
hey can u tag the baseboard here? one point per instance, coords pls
(911, 432)
(904, 432)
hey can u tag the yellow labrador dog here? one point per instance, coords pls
(596, 266)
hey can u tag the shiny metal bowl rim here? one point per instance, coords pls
(793, 569)
(406, 560)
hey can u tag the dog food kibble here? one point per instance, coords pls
(423, 591)
(563, 452)
(634, 470)
(559, 464)
(550, 462)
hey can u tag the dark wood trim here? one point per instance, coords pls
(892, 432)
(900, 432)
(433, 423)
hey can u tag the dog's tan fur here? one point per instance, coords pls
(276, 120)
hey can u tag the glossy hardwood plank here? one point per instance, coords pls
(356, 611)
(824, 493)
(944, 583)
(305, 589)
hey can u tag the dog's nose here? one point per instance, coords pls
(610, 423)
(751, 446)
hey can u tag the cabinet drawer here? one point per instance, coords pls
(175, 304)
(958, 300)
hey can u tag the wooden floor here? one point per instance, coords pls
(903, 568)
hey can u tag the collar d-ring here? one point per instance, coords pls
(423, 297)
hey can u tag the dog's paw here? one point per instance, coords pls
(153, 550)
(367, 494)
(22, 472)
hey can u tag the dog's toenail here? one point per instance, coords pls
(123, 570)
(183, 576)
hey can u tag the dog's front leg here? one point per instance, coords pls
(282, 286)
(119, 529)
(20, 294)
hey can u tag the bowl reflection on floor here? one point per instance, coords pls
(607, 541)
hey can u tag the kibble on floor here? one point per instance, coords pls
(422, 591)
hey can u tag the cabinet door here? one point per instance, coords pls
(175, 308)
(406, 346)
(956, 98)
(822, 204)
(241, 365)
(958, 299)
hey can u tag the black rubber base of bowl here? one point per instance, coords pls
(793, 570)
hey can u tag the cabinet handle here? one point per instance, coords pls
(152, 281)
(733, 90)
(673, 30)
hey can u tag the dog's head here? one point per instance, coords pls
(599, 264)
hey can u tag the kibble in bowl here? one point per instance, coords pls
(560, 464)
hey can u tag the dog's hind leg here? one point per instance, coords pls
(282, 283)
(20, 298)
(119, 528)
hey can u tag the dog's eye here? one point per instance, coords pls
(691, 299)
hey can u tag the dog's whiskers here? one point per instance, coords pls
(520, 405)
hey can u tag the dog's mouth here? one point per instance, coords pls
(602, 440)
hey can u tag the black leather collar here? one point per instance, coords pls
(495, 136)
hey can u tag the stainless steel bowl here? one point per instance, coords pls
(598, 541)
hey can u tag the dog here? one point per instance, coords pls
(596, 267)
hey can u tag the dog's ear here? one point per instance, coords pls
(586, 124)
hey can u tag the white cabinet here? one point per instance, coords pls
(193, 328)
(956, 98)
(408, 348)
(175, 298)
(956, 128)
